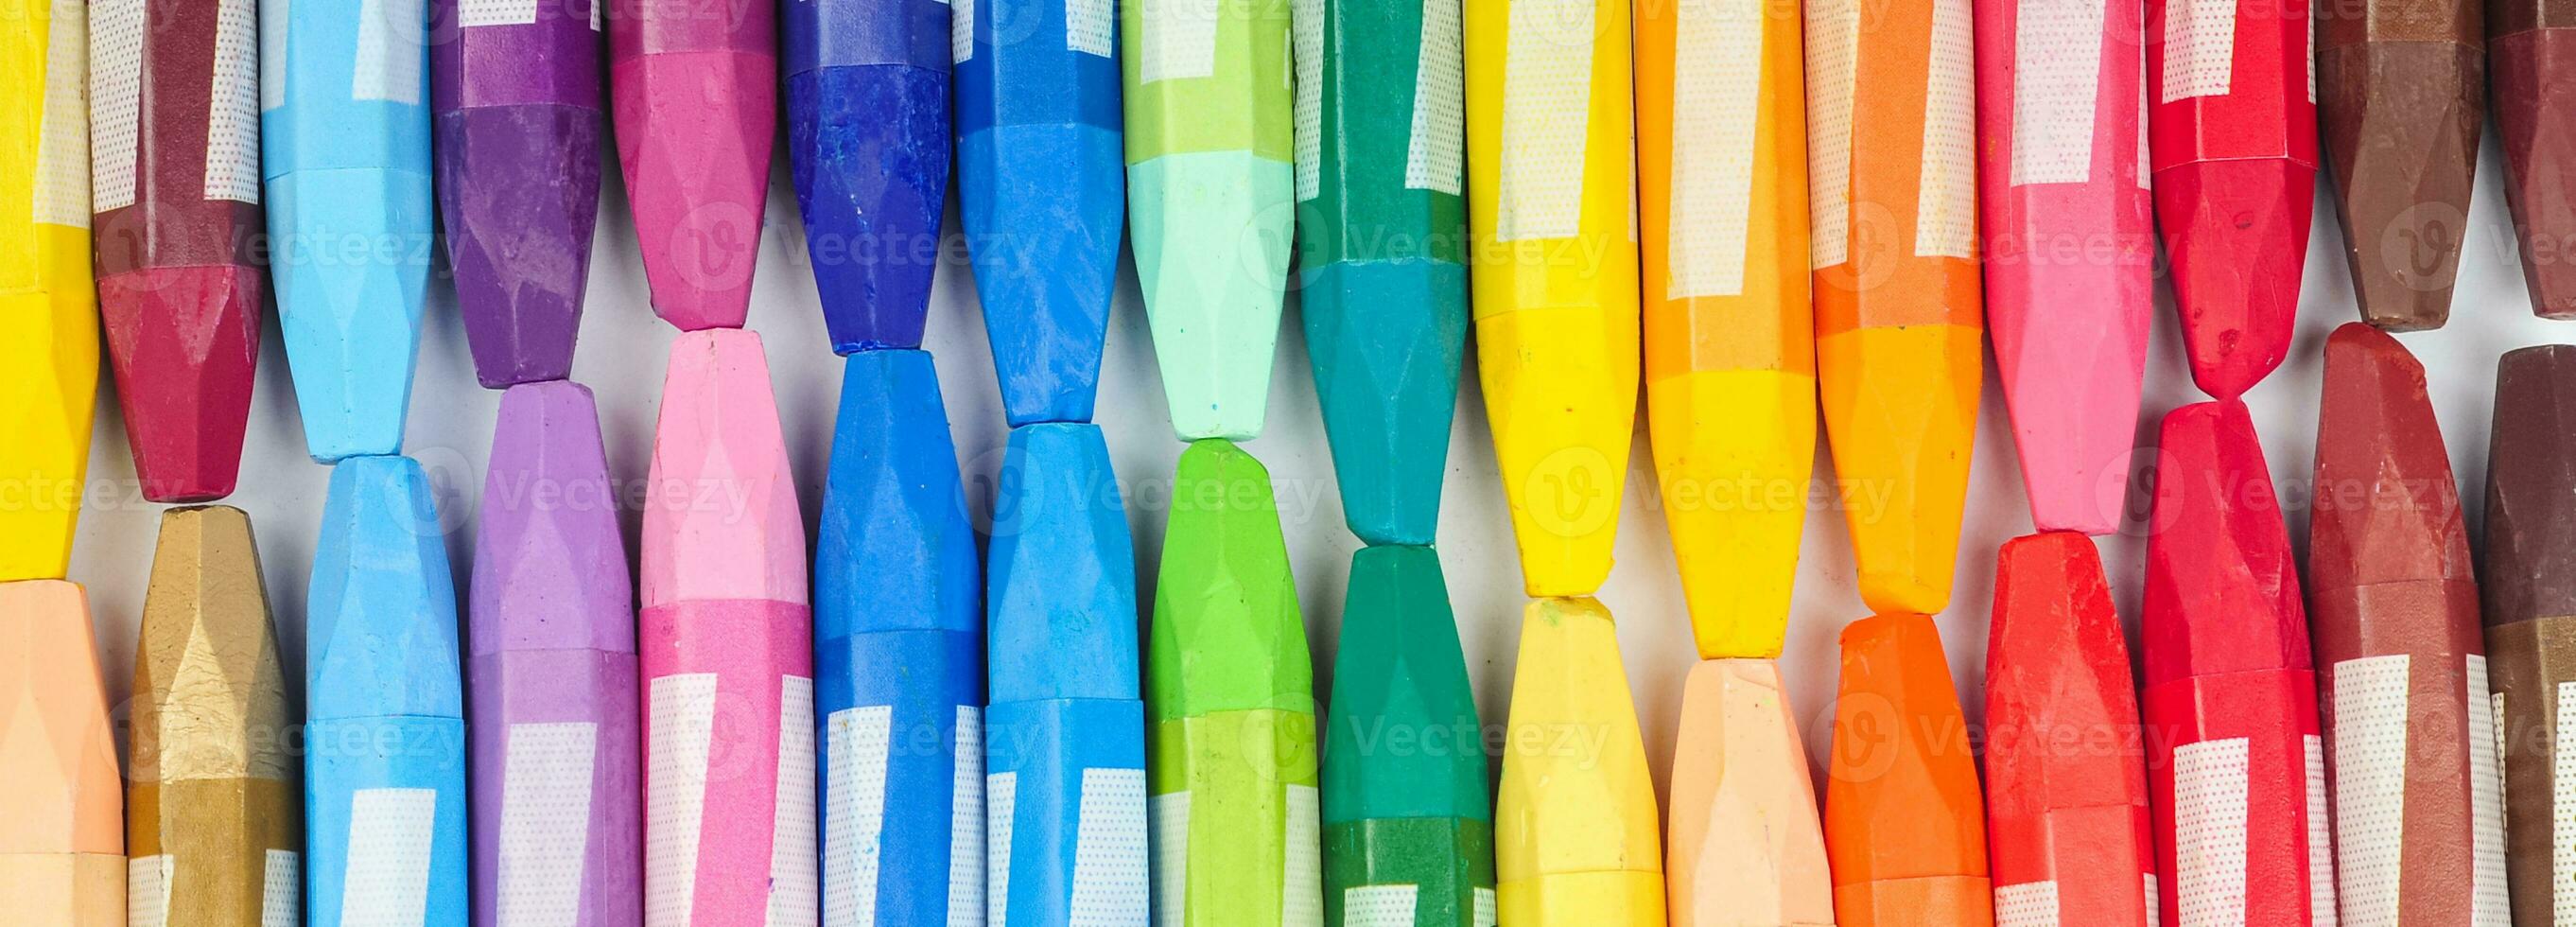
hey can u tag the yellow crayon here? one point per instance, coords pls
(48, 331)
(1575, 825)
(1553, 224)
(1730, 342)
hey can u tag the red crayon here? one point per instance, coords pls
(2235, 757)
(2232, 135)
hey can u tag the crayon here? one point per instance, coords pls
(49, 345)
(1904, 824)
(1230, 706)
(2070, 245)
(1209, 184)
(62, 846)
(384, 764)
(213, 806)
(557, 829)
(725, 626)
(345, 142)
(2072, 842)
(898, 658)
(2402, 96)
(1381, 250)
(1064, 786)
(2232, 141)
(2235, 762)
(1554, 273)
(1730, 341)
(868, 143)
(1747, 848)
(176, 220)
(1408, 832)
(1890, 109)
(1575, 841)
(2529, 581)
(2410, 737)
(693, 93)
(516, 92)
(2528, 43)
(1042, 194)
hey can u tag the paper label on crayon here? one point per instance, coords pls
(387, 884)
(1087, 26)
(2562, 809)
(2145, 168)
(1547, 118)
(1001, 801)
(2155, 902)
(1945, 204)
(1301, 881)
(232, 110)
(2029, 904)
(1306, 55)
(2057, 75)
(2200, 49)
(861, 739)
(281, 891)
(1435, 151)
(966, 821)
(1717, 87)
(147, 891)
(116, 100)
(545, 821)
(1171, 847)
(1486, 906)
(472, 14)
(2321, 864)
(2486, 805)
(1379, 905)
(680, 715)
(389, 52)
(1109, 879)
(272, 54)
(62, 136)
(1832, 29)
(2211, 781)
(1180, 40)
(961, 31)
(2371, 732)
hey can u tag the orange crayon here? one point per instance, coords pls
(62, 807)
(1905, 825)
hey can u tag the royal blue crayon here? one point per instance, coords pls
(867, 139)
(344, 150)
(898, 658)
(384, 765)
(1042, 192)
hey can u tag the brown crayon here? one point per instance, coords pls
(2401, 96)
(2529, 579)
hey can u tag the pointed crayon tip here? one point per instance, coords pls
(1401, 672)
(694, 131)
(1905, 823)
(895, 551)
(1045, 212)
(210, 697)
(519, 192)
(2527, 69)
(2530, 567)
(720, 519)
(2386, 508)
(1385, 339)
(868, 145)
(2401, 121)
(380, 616)
(1062, 577)
(2237, 253)
(2222, 594)
(2071, 380)
(57, 753)
(550, 566)
(48, 389)
(1576, 839)
(1747, 848)
(1227, 631)
(185, 346)
(352, 327)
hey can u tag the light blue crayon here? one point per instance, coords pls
(899, 659)
(344, 150)
(384, 769)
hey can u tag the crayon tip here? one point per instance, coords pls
(1400, 669)
(1576, 836)
(1062, 578)
(1385, 339)
(210, 697)
(519, 193)
(721, 520)
(694, 131)
(62, 820)
(1905, 823)
(2526, 71)
(2237, 235)
(2222, 594)
(550, 568)
(184, 342)
(48, 388)
(1747, 848)
(2530, 567)
(2386, 508)
(380, 616)
(1045, 211)
(352, 328)
(895, 551)
(2401, 122)
(868, 145)
(1227, 631)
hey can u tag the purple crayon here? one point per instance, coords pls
(515, 89)
(556, 745)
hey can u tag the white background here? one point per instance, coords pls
(623, 347)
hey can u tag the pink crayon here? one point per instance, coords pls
(727, 653)
(2070, 244)
(694, 88)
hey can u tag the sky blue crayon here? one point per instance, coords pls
(344, 148)
(1042, 191)
(899, 659)
(867, 138)
(1065, 784)
(384, 768)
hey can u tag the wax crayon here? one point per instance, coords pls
(62, 846)
(2070, 245)
(48, 337)
(384, 762)
(1890, 112)
(2072, 842)
(2529, 581)
(728, 794)
(898, 658)
(1747, 848)
(2402, 96)
(2232, 141)
(1408, 832)
(344, 141)
(213, 806)
(1208, 136)
(2528, 45)
(1064, 785)
(1042, 194)
(2235, 763)
(175, 203)
(1730, 342)
(1904, 824)
(693, 92)
(1230, 706)
(1381, 250)
(557, 829)
(1575, 841)
(1551, 209)
(868, 143)
(2411, 761)
(516, 89)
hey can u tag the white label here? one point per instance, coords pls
(232, 107)
(62, 136)
(2371, 733)
(1379, 905)
(2155, 903)
(961, 30)
(2057, 81)
(1833, 27)
(2029, 904)
(116, 100)
(1171, 845)
(1717, 85)
(1306, 54)
(855, 819)
(273, 16)
(475, 13)
(1301, 880)
(1485, 905)
(2200, 49)
(2486, 804)
(1435, 151)
(966, 821)
(2562, 809)
(1087, 26)
(1109, 878)
(545, 822)
(390, 840)
(281, 891)
(1547, 118)
(1001, 801)
(794, 899)
(2321, 873)
(1179, 41)
(1945, 204)
(2210, 786)
(389, 52)
(147, 891)
(681, 714)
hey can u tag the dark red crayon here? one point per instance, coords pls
(2531, 67)
(2529, 579)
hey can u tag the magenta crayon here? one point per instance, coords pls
(693, 85)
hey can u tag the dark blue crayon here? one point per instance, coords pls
(867, 138)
